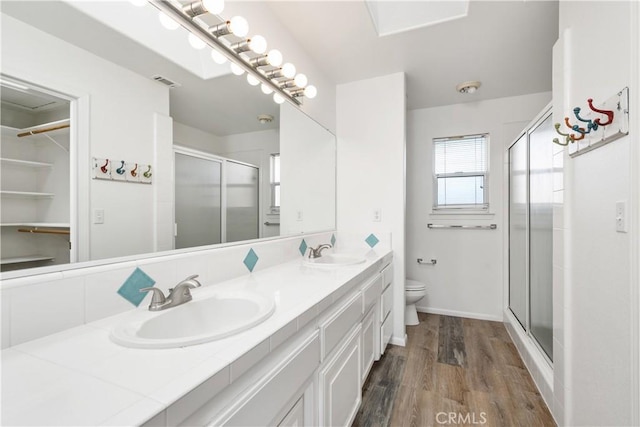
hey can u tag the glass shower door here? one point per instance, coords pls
(518, 229)
(198, 201)
(242, 202)
(541, 234)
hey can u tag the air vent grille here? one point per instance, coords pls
(165, 81)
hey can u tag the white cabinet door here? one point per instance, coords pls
(340, 383)
(369, 348)
(385, 332)
(295, 417)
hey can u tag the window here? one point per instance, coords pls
(460, 172)
(275, 183)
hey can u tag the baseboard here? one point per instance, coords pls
(402, 342)
(455, 313)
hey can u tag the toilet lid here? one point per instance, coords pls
(414, 285)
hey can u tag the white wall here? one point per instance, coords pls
(468, 277)
(116, 121)
(308, 174)
(599, 370)
(371, 124)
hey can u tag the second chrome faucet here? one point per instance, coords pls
(317, 252)
(178, 295)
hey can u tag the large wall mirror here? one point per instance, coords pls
(92, 89)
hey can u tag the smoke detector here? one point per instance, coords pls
(265, 118)
(468, 87)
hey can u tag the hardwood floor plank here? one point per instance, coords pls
(414, 386)
(451, 348)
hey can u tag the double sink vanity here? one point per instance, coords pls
(287, 345)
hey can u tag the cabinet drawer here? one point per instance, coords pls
(386, 302)
(336, 327)
(387, 276)
(371, 292)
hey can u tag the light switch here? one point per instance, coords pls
(300, 216)
(377, 215)
(621, 216)
(98, 216)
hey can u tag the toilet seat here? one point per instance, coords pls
(414, 285)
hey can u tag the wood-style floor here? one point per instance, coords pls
(453, 371)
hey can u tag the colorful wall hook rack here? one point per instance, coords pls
(586, 129)
(121, 170)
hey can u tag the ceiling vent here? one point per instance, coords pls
(165, 81)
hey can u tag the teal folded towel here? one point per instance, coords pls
(130, 289)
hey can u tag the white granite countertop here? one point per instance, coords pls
(79, 377)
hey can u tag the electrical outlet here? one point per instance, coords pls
(98, 216)
(621, 216)
(377, 215)
(300, 216)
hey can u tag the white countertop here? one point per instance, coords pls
(80, 377)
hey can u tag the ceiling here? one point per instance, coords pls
(507, 45)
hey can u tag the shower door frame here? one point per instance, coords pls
(526, 325)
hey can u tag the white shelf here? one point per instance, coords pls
(36, 224)
(18, 260)
(26, 163)
(26, 194)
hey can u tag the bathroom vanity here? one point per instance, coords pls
(304, 365)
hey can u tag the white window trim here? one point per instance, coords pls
(273, 209)
(474, 209)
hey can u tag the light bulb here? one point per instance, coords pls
(213, 6)
(266, 89)
(310, 91)
(138, 3)
(289, 70)
(252, 80)
(167, 22)
(258, 44)
(274, 57)
(301, 80)
(239, 26)
(217, 57)
(236, 69)
(196, 42)
(471, 89)
(278, 99)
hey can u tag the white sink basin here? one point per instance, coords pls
(222, 314)
(334, 260)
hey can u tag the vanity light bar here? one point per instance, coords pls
(181, 15)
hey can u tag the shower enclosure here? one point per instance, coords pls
(216, 200)
(531, 231)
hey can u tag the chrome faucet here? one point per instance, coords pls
(178, 295)
(317, 252)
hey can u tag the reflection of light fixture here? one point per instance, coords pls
(196, 42)
(265, 118)
(248, 55)
(468, 87)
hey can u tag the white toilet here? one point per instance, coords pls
(414, 291)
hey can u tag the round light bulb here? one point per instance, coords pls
(236, 69)
(167, 22)
(289, 70)
(274, 57)
(252, 80)
(471, 89)
(213, 6)
(239, 26)
(310, 91)
(138, 3)
(217, 57)
(196, 42)
(266, 89)
(300, 80)
(258, 44)
(278, 99)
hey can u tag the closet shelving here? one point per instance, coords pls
(33, 177)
